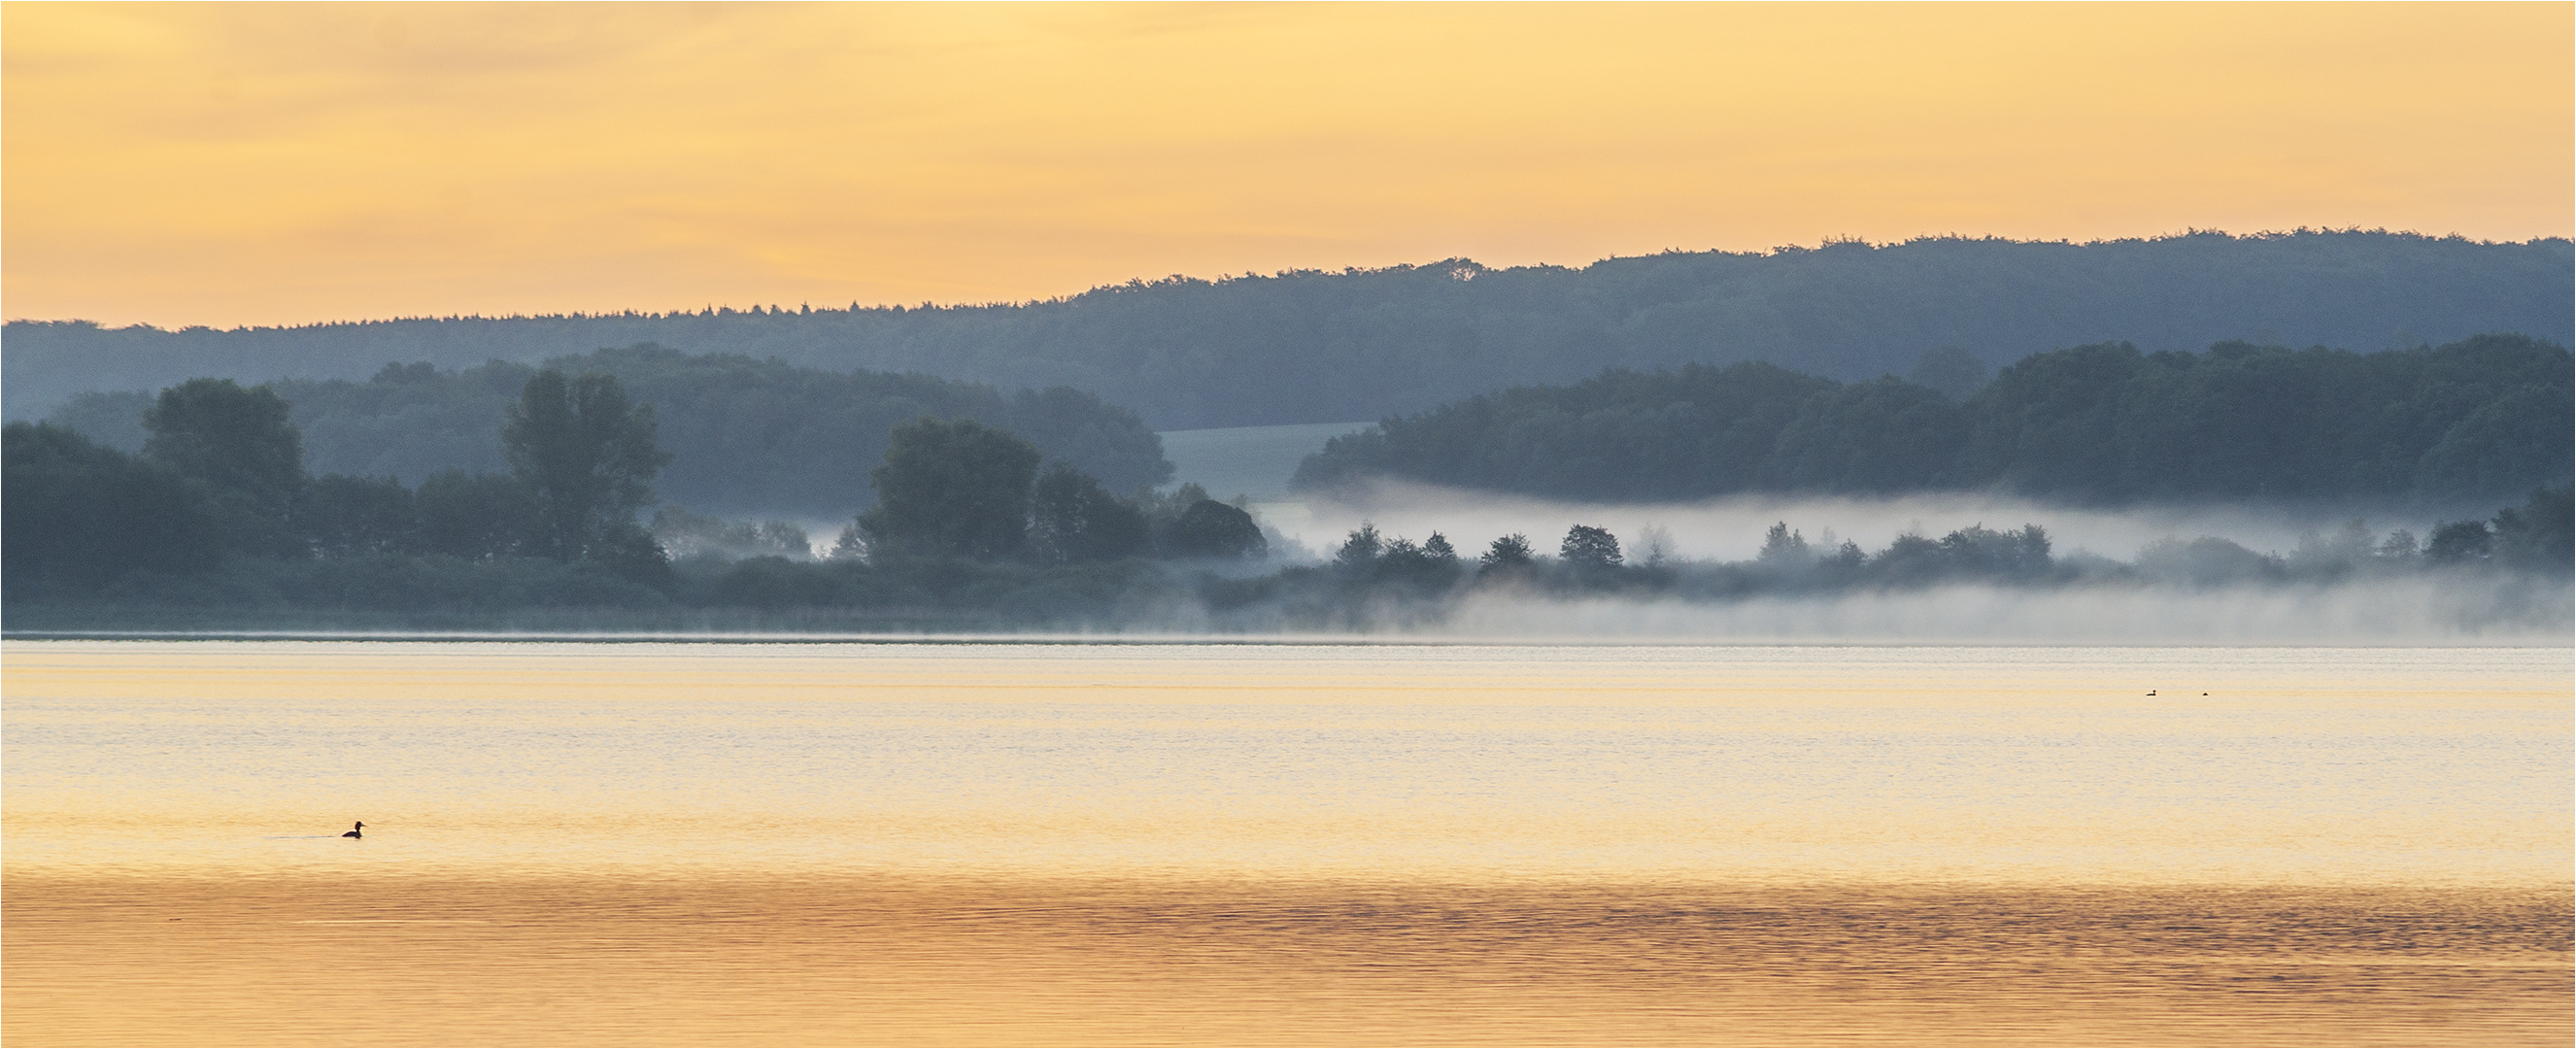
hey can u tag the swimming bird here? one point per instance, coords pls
(353, 832)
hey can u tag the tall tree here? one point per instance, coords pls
(242, 446)
(588, 456)
(241, 441)
(83, 515)
(1589, 548)
(1782, 546)
(951, 487)
(1073, 519)
(1360, 552)
(1508, 553)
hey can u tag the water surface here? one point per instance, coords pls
(652, 843)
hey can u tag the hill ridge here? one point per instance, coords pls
(1314, 345)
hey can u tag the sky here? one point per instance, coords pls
(231, 164)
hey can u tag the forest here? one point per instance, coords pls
(218, 509)
(2477, 419)
(1316, 346)
(216, 523)
(747, 437)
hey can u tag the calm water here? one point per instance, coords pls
(748, 844)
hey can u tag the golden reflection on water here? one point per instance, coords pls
(653, 844)
(867, 961)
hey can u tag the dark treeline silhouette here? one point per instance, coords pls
(2522, 558)
(1315, 346)
(953, 489)
(747, 436)
(217, 510)
(221, 483)
(2537, 537)
(2476, 419)
(215, 522)
(216, 514)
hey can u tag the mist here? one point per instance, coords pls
(2422, 611)
(1731, 528)
(2320, 576)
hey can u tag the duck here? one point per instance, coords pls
(353, 832)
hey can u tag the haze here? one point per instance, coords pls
(1731, 528)
(253, 164)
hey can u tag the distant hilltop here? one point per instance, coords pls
(1315, 346)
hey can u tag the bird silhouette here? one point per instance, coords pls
(353, 832)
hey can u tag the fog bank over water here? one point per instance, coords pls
(2285, 574)
(1731, 528)
(2400, 611)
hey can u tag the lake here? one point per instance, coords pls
(778, 843)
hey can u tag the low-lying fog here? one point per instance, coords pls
(2425, 611)
(2326, 581)
(1731, 528)
(2389, 607)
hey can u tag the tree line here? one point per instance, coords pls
(1314, 346)
(222, 478)
(2479, 418)
(953, 488)
(221, 481)
(973, 526)
(747, 436)
(2538, 536)
(217, 511)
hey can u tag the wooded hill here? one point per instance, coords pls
(747, 436)
(1314, 346)
(2480, 418)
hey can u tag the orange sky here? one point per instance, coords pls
(232, 164)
